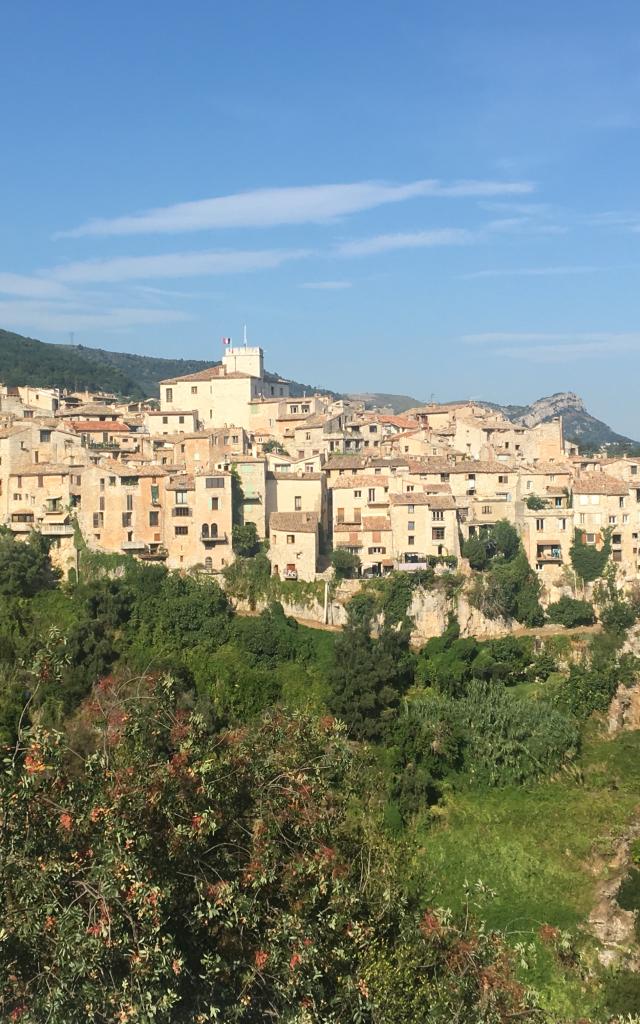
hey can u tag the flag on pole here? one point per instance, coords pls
(226, 341)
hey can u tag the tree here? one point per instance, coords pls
(369, 676)
(245, 540)
(162, 873)
(475, 551)
(345, 563)
(275, 447)
(25, 566)
(588, 561)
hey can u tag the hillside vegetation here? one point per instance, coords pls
(29, 361)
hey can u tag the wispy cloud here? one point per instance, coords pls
(173, 265)
(31, 287)
(326, 286)
(548, 347)
(406, 240)
(532, 272)
(51, 316)
(268, 207)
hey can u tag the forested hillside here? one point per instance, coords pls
(28, 361)
(241, 819)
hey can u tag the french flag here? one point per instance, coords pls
(226, 341)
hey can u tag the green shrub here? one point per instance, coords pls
(571, 613)
(508, 741)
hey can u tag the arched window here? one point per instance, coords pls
(205, 529)
(214, 529)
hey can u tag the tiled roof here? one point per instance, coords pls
(182, 483)
(294, 522)
(600, 483)
(97, 426)
(346, 482)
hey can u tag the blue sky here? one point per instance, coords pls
(428, 198)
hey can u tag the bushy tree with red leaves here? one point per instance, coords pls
(168, 874)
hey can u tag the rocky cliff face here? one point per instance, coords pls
(563, 403)
(579, 425)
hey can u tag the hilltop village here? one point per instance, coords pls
(167, 482)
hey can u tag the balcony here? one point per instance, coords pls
(57, 530)
(133, 545)
(21, 523)
(52, 509)
(213, 538)
(549, 554)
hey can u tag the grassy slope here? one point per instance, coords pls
(535, 847)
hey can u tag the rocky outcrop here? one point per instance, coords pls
(545, 409)
(624, 710)
(612, 926)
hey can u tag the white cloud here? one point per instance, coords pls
(568, 353)
(173, 265)
(328, 286)
(531, 272)
(268, 207)
(406, 240)
(543, 337)
(548, 347)
(31, 287)
(45, 316)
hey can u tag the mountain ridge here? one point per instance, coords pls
(26, 360)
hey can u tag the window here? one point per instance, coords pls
(582, 518)
(357, 494)
(616, 538)
(40, 481)
(169, 395)
(529, 484)
(562, 524)
(471, 476)
(98, 520)
(297, 502)
(291, 538)
(154, 519)
(129, 502)
(181, 511)
(307, 436)
(181, 497)
(625, 518)
(194, 389)
(214, 481)
(634, 469)
(214, 504)
(112, 481)
(126, 519)
(411, 540)
(621, 502)
(372, 494)
(411, 525)
(181, 531)
(437, 532)
(613, 520)
(410, 487)
(444, 478)
(437, 514)
(411, 509)
(165, 419)
(45, 437)
(101, 505)
(180, 419)
(503, 479)
(102, 483)
(591, 538)
(486, 510)
(539, 524)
